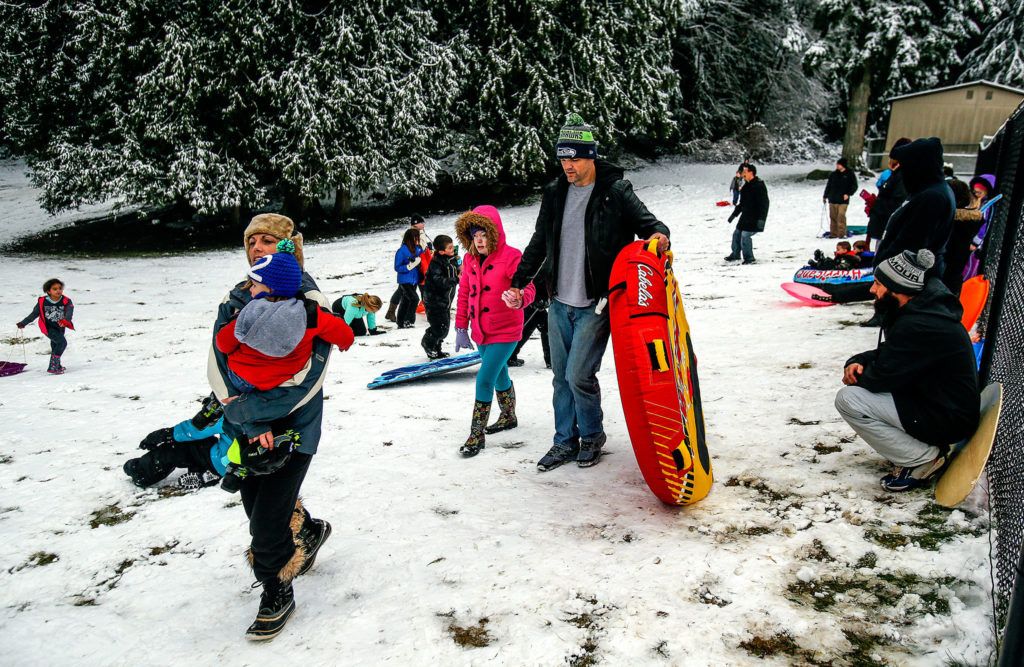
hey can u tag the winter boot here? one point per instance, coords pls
(150, 468)
(391, 316)
(475, 442)
(195, 480)
(55, 368)
(557, 455)
(590, 450)
(312, 536)
(514, 362)
(276, 606)
(507, 405)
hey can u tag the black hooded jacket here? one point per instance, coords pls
(926, 219)
(927, 364)
(891, 196)
(840, 183)
(753, 206)
(615, 217)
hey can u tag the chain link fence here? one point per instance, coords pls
(1002, 324)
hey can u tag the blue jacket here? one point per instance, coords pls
(186, 432)
(407, 276)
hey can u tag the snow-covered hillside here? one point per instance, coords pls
(796, 555)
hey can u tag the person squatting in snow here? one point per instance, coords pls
(359, 312)
(496, 320)
(917, 393)
(285, 537)
(587, 215)
(53, 312)
(439, 287)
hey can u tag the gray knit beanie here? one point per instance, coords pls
(905, 273)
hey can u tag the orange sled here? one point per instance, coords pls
(657, 372)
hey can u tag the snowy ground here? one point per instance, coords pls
(796, 554)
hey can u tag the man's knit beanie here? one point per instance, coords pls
(576, 139)
(280, 271)
(279, 226)
(905, 273)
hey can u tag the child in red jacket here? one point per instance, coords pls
(272, 338)
(497, 327)
(54, 312)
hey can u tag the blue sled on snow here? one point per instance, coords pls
(428, 369)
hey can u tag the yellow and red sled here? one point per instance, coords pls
(657, 372)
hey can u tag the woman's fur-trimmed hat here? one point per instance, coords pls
(279, 226)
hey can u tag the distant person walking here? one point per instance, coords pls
(53, 313)
(841, 185)
(752, 212)
(415, 222)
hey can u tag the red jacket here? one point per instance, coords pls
(265, 372)
(484, 280)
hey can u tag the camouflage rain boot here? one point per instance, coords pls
(475, 442)
(507, 405)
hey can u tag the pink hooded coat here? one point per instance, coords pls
(484, 279)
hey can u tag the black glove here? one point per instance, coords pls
(162, 436)
(376, 332)
(732, 217)
(208, 415)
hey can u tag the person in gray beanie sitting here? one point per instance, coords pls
(916, 394)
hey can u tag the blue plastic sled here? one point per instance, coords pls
(428, 369)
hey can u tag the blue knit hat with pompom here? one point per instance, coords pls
(280, 272)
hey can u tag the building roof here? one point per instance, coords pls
(979, 82)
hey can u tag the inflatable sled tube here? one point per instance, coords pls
(808, 294)
(657, 372)
(843, 286)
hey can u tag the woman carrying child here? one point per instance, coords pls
(407, 262)
(285, 538)
(53, 312)
(497, 327)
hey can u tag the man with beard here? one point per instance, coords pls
(917, 393)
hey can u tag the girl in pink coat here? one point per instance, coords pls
(497, 327)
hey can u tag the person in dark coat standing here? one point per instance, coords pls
(752, 212)
(439, 287)
(587, 215)
(926, 219)
(841, 185)
(917, 393)
(891, 195)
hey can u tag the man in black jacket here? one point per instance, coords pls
(840, 187)
(891, 196)
(587, 215)
(752, 211)
(917, 393)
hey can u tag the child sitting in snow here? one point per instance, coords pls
(844, 259)
(54, 312)
(271, 340)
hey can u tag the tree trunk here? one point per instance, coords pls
(857, 119)
(295, 205)
(342, 204)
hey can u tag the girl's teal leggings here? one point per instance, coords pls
(493, 373)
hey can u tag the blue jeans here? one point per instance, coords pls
(493, 373)
(578, 339)
(741, 240)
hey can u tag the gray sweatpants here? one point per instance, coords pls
(874, 418)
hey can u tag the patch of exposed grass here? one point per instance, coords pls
(159, 551)
(4, 458)
(822, 448)
(754, 531)
(471, 636)
(764, 647)
(444, 512)
(817, 551)
(799, 422)
(111, 515)
(929, 530)
(868, 560)
(873, 591)
(760, 486)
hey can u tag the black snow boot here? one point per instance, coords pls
(557, 455)
(475, 442)
(151, 467)
(312, 536)
(276, 606)
(507, 405)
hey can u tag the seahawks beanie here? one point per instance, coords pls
(576, 139)
(280, 271)
(905, 273)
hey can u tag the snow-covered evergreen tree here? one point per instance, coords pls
(1000, 56)
(869, 50)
